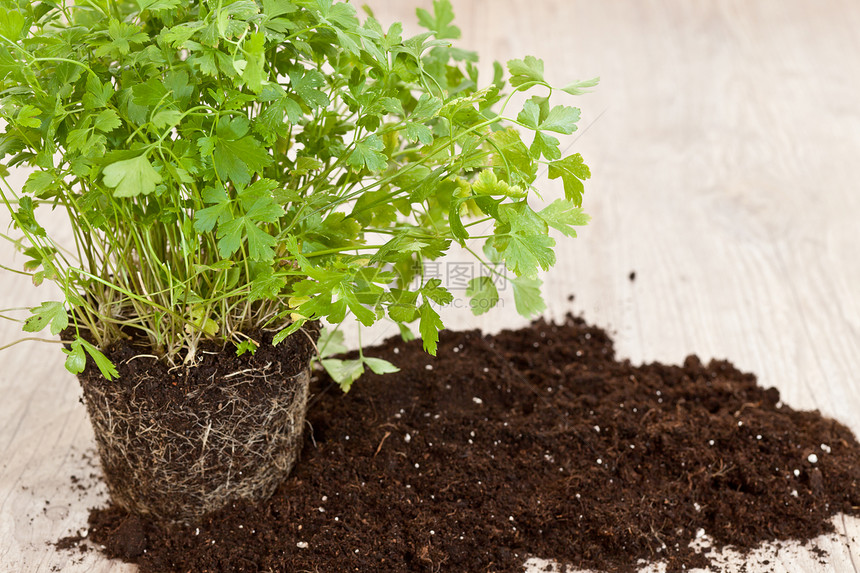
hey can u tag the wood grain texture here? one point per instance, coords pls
(724, 141)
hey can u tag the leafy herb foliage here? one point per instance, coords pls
(234, 165)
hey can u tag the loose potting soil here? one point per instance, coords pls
(535, 442)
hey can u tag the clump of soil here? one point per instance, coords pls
(178, 442)
(534, 442)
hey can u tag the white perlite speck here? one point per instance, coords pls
(302, 544)
(477, 400)
(813, 459)
(429, 367)
(825, 448)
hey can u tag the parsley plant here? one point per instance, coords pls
(233, 165)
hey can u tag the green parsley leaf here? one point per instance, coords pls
(526, 71)
(260, 243)
(285, 332)
(344, 372)
(219, 212)
(433, 290)
(581, 87)
(28, 116)
(158, 5)
(488, 184)
(523, 254)
(380, 366)
(418, 132)
(12, 22)
(367, 154)
(166, 118)
(530, 114)
(123, 36)
(364, 315)
(305, 83)
(545, 145)
(429, 327)
(201, 319)
(440, 21)
(527, 297)
(230, 236)
(428, 107)
(107, 120)
(246, 346)
(149, 93)
(275, 8)
(563, 215)
(131, 177)
(572, 171)
(455, 222)
(238, 159)
(512, 157)
(561, 119)
(330, 342)
(178, 35)
(76, 358)
(48, 313)
(484, 295)
(97, 94)
(39, 182)
(255, 70)
(267, 286)
(107, 369)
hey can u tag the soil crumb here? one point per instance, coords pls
(535, 442)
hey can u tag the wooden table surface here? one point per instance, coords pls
(724, 140)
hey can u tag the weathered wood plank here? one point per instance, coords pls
(724, 141)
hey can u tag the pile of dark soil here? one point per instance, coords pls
(534, 442)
